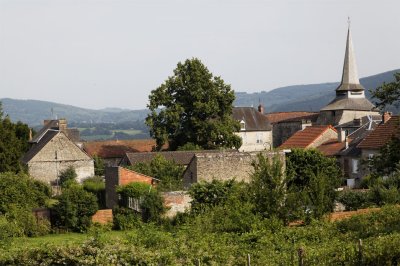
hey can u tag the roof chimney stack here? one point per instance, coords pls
(341, 135)
(386, 116)
(261, 108)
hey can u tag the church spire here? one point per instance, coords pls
(350, 81)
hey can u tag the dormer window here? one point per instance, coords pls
(242, 125)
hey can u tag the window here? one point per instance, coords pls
(259, 138)
(354, 163)
(134, 204)
(242, 125)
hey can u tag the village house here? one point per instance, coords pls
(371, 145)
(255, 129)
(52, 151)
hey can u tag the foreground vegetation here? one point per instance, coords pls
(200, 239)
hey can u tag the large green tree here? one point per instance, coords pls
(388, 93)
(193, 106)
(13, 143)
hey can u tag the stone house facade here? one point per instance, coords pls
(255, 129)
(53, 152)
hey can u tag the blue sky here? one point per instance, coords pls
(98, 54)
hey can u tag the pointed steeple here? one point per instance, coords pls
(350, 81)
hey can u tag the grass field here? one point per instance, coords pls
(131, 132)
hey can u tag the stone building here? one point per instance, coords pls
(285, 124)
(350, 103)
(51, 153)
(205, 167)
(255, 129)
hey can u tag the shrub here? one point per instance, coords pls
(74, 208)
(97, 186)
(165, 170)
(22, 191)
(151, 204)
(67, 176)
(354, 200)
(209, 194)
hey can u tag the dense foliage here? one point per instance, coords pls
(388, 93)
(22, 191)
(18, 195)
(267, 243)
(74, 208)
(99, 166)
(388, 158)
(67, 176)
(193, 106)
(13, 143)
(97, 186)
(167, 171)
(151, 205)
(312, 178)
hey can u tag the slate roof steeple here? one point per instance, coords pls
(350, 81)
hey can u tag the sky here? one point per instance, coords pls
(97, 53)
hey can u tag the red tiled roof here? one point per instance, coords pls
(331, 147)
(304, 138)
(117, 148)
(382, 134)
(281, 116)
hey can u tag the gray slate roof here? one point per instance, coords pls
(254, 120)
(45, 137)
(342, 103)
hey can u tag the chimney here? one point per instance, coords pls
(341, 135)
(261, 108)
(30, 134)
(386, 116)
(62, 125)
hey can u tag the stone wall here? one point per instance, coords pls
(223, 166)
(49, 171)
(176, 202)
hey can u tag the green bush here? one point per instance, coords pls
(75, 208)
(97, 186)
(151, 205)
(354, 199)
(67, 176)
(22, 191)
(165, 170)
(125, 219)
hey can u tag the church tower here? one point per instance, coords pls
(350, 103)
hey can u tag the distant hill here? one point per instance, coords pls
(292, 98)
(33, 112)
(306, 97)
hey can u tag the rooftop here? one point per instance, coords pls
(117, 148)
(382, 134)
(286, 116)
(306, 137)
(254, 120)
